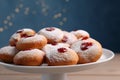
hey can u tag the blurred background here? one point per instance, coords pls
(101, 18)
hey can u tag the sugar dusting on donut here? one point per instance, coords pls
(59, 54)
(29, 53)
(32, 38)
(52, 33)
(26, 32)
(48, 47)
(86, 48)
(10, 50)
(62, 45)
(16, 36)
(80, 33)
(69, 38)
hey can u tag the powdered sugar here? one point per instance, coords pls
(28, 31)
(70, 38)
(54, 55)
(62, 45)
(16, 36)
(30, 53)
(80, 33)
(48, 47)
(9, 50)
(32, 39)
(55, 35)
(90, 52)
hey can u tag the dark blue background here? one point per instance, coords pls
(101, 18)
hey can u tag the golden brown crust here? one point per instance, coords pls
(7, 53)
(6, 58)
(29, 58)
(31, 45)
(12, 42)
(50, 41)
(90, 59)
(56, 63)
(29, 61)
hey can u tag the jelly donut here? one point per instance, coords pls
(61, 56)
(81, 34)
(33, 57)
(7, 53)
(88, 50)
(53, 34)
(49, 47)
(31, 42)
(69, 38)
(19, 34)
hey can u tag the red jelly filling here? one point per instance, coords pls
(84, 38)
(25, 35)
(65, 38)
(86, 45)
(54, 43)
(62, 50)
(50, 29)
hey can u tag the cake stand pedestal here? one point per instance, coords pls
(59, 76)
(59, 72)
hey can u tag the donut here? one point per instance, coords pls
(19, 34)
(31, 42)
(81, 34)
(53, 34)
(7, 53)
(59, 56)
(88, 50)
(69, 38)
(33, 57)
(49, 47)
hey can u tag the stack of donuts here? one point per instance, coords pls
(51, 46)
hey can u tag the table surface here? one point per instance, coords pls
(108, 71)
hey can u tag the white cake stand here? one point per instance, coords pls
(59, 72)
